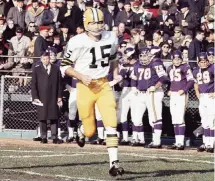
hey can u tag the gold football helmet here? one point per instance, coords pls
(94, 21)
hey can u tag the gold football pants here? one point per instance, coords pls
(98, 92)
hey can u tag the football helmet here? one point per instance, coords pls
(177, 58)
(128, 54)
(93, 19)
(203, 62)
(145, 56)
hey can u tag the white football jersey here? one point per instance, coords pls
(91, 58)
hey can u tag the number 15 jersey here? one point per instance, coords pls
(90, 57)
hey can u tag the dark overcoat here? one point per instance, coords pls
(47, 88)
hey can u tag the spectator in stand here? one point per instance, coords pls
(81, 5)
(120, 5)
(41, 43)
(209, 42)
(31, 28)
(71, 16)
(51, 34)
(210, 54)
(2, 23)
(210, 15)
(10, 31)
(165, 22)
(50, 15)
(187, 20)
(185, 55)
(8, 4)
(157, 38)
(178, 37)
(172, 7)
(115, 29)
(64, 33)
(196, 46)
(2, 5)
(97, 4)
(80, 29)
(110, 15)
(34, 13)
(197, 7)
(127, 16)
(60, 3)
(17, 14)
(164, 53)
(19, 45)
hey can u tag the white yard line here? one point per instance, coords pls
(53, 176)
(28, 151)
(152, 156)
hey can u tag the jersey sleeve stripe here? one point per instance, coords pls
(66, 62)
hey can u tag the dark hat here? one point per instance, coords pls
(149, 38)
(146, 5)
(19, 30)
(177, 28)
(34, 1)
(121, 1)
(127, 2)
(184, 5)
(63, 26)
(177, 54)
(165, 7)
(111, 2)
(20, 0)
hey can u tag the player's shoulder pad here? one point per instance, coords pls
(110, 35)
(77, 40)
(156, 61)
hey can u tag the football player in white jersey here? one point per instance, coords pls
(91, 53)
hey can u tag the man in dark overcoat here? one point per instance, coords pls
(46, 91)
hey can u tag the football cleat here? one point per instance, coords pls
(123, 142)
(209, 149)
(70, 140)
(80, 138)
(134, 143)
(141, 143)
(152, 145)
(116, 170)
(201, 148)
(44, 141)
(98, 141)
(57, 141)
(180, 147)
(172, 147)
(37, 139)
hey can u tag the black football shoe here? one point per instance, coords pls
(134, 143)
(210, 149)
(57, 141)
(155, 146)
(124, 143)
(172, 147)
(116, 170)
(98, 141)
(180, 147)
(37, 139)
(201, 148)
(70, 140)
(44, 141)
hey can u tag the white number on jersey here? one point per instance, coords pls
(203, 78)
(144, 73)
(100, 55)
(175, 75)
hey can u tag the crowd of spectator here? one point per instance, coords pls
(29, 27)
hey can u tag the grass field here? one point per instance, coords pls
(25, 160)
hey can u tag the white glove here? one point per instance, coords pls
(151, 89)
(112, 83)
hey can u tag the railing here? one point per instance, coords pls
(17, 113)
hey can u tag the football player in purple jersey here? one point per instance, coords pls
(150, 75)
(181, 81)
(126, 100)
(210, 53)
(204, 88)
